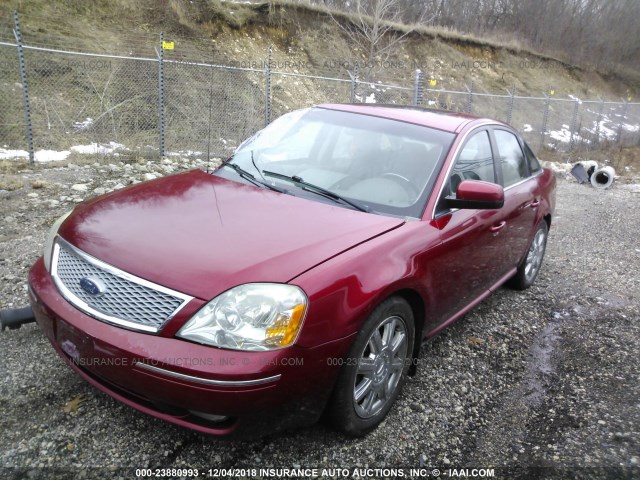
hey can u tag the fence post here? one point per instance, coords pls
(622, 119)
(25, 90)
(510, 107)
(267, 89)
(600, 113)
(574, 121)
(637, 105)
(354, 83)
(160, 55)
(470, 98)
(417, 93)
(545, 117)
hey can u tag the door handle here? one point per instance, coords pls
(534, 204)
(497, 227)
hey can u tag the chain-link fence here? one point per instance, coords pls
(378, 92)
(55, 103)
(89, 104)
(210, 109)
(12, 113)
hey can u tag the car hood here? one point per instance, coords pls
(201, 234)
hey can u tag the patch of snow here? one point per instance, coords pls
(96, 148)
(44, 156)
(39, 156)
(370, 98)
(605, 131)
(11, 154)
(183, 153)
(84, 124)
(51, 155)
(527, 128)
(563, 135)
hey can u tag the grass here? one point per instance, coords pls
(10, 182)
(13, 166)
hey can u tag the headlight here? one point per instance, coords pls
(255, 316)
(48, 245)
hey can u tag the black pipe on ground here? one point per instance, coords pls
(14, 318)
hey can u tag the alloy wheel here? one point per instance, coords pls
(380, 367)
(535, 255)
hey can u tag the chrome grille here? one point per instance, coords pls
(128, 301)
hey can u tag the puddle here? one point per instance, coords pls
(540, 361)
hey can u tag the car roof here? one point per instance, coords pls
(428, 117)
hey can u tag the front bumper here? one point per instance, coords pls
(208, 389)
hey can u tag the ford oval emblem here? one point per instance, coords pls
(93, 286)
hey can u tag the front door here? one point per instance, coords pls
(472, 240)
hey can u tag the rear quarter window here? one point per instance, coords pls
(534, 164)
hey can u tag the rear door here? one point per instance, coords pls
(521, 194)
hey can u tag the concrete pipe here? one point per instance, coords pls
(589, 166)
(603, 177)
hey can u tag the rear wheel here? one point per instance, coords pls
(530, 266)
(375, 370)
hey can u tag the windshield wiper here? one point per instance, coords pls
(310, 187)
(247, 176)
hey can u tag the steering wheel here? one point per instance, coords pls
(469, 175)
(405, 182)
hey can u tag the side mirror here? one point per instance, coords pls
(477, 195)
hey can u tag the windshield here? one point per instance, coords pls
(383, 165)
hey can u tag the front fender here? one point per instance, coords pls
(344, 290)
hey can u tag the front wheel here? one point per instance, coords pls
(530, 266)
(375, 370)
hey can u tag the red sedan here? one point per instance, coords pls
(298, 278)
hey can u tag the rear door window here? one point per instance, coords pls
(511, 158)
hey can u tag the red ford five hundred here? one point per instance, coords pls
(298, 278)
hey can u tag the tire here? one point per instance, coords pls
(531, 263)
(375, 370)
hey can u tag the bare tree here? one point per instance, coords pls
(375, 27)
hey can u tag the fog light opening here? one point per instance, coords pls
(209, 416)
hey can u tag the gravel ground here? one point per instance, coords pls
(540, 384)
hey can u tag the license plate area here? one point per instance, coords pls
(72, 342)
